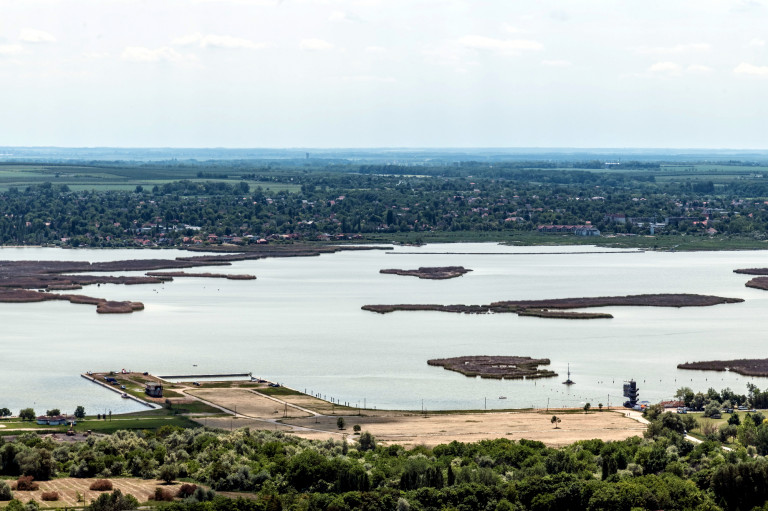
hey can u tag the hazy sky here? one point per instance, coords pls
(374, 73)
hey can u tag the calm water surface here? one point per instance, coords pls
(300, 324)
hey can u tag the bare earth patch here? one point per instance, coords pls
(68, 488)
(415, 429)
(247, 403)
(232, 423)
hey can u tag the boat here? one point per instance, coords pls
(502, 397)
(124, 395)
(569, 381)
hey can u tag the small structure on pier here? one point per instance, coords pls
(153, 389)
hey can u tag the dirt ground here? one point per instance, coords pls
(409, 428)
(245, 402)
(412, 430)
(68, 488)
(230, 423)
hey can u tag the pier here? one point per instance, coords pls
(119, 391)
(193, 376)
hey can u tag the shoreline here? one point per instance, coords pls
(611, 244)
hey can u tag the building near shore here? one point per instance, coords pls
(153, 389)
(55, 420)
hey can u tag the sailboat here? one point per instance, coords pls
(569, 381)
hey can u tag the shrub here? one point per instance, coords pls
(14, 505)
(50, 495)
(340, 422)
(5, 491)
(26, 483)
(101, 485)
(114, 501)
(162, 495)
(186, 490)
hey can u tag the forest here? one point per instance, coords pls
(272, 470)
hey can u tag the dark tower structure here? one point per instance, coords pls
(631, 392)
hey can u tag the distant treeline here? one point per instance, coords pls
(372, 199)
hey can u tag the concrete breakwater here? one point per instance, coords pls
(193, 376)
(119, 391)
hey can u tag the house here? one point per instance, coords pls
(55, 420)
(586, 230)
(153, 389)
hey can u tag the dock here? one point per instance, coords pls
(193, 376)
(119, 391)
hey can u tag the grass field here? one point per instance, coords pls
(79, 178)
(152, 419)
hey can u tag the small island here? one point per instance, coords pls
(540, 308)
(757, 282)
(169, 275)
(498, 367)
(743, 366)
(752, 271)
(432, 273)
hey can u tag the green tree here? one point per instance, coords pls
(80, 412)
(587, 407)
(367, 441)
(712, 408)
(555, 420)
(168, 472)
(27, 414)
(53, 412)
(340, 423)
(37, 462)
(5, 412)
(747, 433)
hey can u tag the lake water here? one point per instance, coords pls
(301, 324)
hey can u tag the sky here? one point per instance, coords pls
(384, 73)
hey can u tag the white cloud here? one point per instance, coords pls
(664, 68)
(375, 49)
(218, 41)
(162, 54)
(315, 45)
(504, 46)
(672, 50)
(10, 49)
(751, 69)
(757, 42)
(556, 63)
(30, 35)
